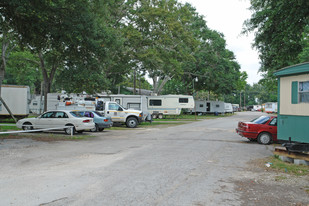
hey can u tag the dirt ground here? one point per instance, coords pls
(263, 186)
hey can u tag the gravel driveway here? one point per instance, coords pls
(200, 163)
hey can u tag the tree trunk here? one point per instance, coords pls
(47, 78)
(4, 55)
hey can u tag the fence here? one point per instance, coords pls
(34, 130)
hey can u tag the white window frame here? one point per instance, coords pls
(302, 92)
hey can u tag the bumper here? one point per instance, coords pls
(247, 134)
(85, 126)
(105, 125)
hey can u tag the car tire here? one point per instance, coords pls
(68, 130)
(131, 122)
(264, 138)
(154, 116)
(160, 116)
(95, 129)
(101, 129)
(27, 126)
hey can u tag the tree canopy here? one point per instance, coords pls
(281, 32)
(96, 45)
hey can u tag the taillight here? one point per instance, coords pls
(105, 120)
(86, 120)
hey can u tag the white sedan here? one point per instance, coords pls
(58, 119)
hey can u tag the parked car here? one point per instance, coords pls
(58, 119)
(100, 121)
(263, 129)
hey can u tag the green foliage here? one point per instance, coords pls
(279, 27)
(22, 71)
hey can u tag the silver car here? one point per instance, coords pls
(58, 119)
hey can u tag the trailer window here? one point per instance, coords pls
(183, 100)
(201, 105)
(217, 105)
(304, 91)
(155, 102)
(134, 105)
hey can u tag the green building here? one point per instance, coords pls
(293, 103)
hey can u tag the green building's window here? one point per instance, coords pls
(304, 92)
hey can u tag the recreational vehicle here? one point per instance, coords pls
(169, 105)
(228, 108)
(156, 106)
(271, 107)
(17, 98)
(209, 107)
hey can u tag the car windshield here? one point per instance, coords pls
(99, 114)
(261, 120)
(76, 114)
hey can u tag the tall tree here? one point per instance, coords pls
(58, 31)
(158, 35)
(280, 29)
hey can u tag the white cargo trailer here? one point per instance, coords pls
(17, 98)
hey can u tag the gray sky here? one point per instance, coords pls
(227, 17)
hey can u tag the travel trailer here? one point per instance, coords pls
(156, 106)
(271, 107)
(209, 107)
(228, 108)
(168, 105)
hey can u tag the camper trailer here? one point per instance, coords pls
(137, 102)
(228, 108)
(169, 105)
(17, 98)
(209, 107)
(200, 107)
(156, 106)
(215, 107)
(271, 107)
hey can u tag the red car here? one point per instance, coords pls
(262, 129)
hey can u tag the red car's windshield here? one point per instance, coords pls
(261, 120)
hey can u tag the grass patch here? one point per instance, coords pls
(4, 128)
(154, 123)
(285, 167)
(188, 117)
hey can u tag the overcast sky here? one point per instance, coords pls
(227, 17)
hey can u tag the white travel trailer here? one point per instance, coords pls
(157, 106)
(228, 108)
(169, 104)
(271, 107)
(138, 102)
(17, 98)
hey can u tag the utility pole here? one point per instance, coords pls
(240, 100)
(134, 81)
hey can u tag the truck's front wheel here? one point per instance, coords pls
(131, 122)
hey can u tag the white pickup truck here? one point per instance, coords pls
(130, 117)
